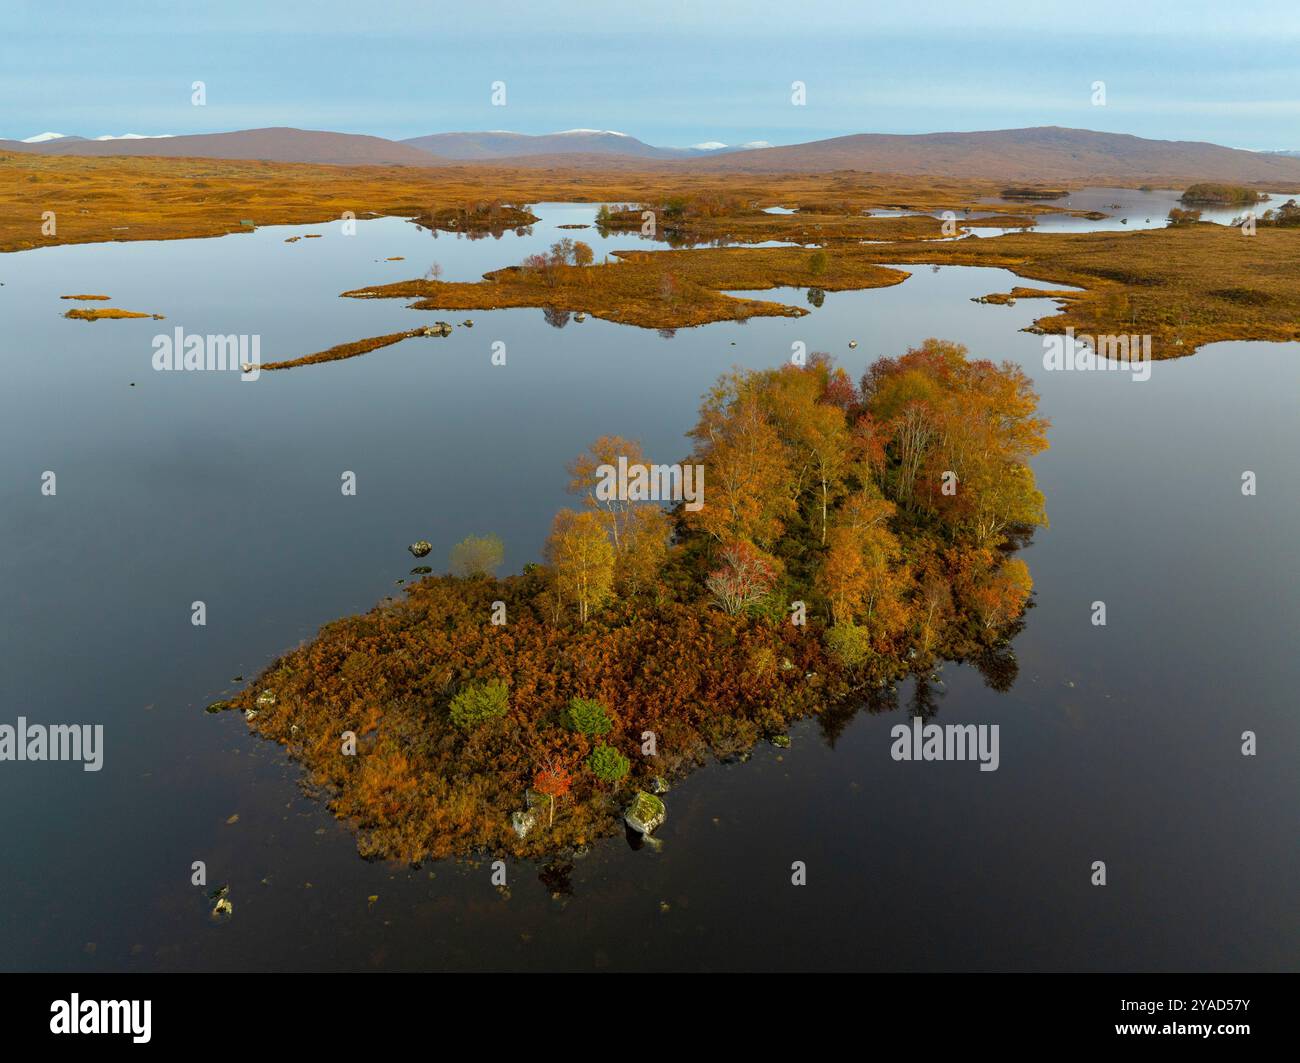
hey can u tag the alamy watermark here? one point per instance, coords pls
(193, 352)
(954, 741)
(651, 483)
(102, 1016)
(1084, 352)
(57, 741)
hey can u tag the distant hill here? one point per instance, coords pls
(1049, 153)
(498, 144)
(1041, 154)
(279, 144)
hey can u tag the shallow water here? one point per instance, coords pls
(1129, 208)
(1119, 743)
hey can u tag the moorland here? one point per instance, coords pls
(825, 497)
(1186, 285)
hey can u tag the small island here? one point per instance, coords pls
(1025, 192)
(840, 537)
(107, 313)
(1212, 194)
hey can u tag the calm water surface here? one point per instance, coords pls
(1119, 743)
(1130, 208)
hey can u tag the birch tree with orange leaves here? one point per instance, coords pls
(747, 475)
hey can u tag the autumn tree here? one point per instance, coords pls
(859, 572)
(582, 558)
(591, 467)
(958, 437)
(813, 433)
(842, 577)
(562, 253)
(840, 391)
(1000, 596)
(543, 266)
(747, 474)
(554, 781)
(477, 556)
(643, 549)
(934, 607)
(1003, 497)
(638, 530)
(744, 578)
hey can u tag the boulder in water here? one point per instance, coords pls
(645, 814)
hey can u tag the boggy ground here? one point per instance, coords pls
(668, 289)
(97, 199)
(1186, 286)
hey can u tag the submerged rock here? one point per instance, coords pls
(223, 907)
(645, 814)
(421, 548)
(781, 741)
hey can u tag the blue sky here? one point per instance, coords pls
(668, 72)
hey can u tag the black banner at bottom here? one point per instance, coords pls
(339, 1011)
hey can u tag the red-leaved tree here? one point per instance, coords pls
(745, 577)
(553, 781)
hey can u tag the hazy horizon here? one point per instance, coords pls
(676, 76)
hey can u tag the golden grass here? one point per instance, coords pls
(124, 198)
(346, 350)
(652, 289)
(999, 221)
(106, 313)
(1186, 286)
(1009, 298)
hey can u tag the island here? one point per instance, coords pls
(827, 538)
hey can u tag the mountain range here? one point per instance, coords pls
(499, 144)
(1045, 153)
